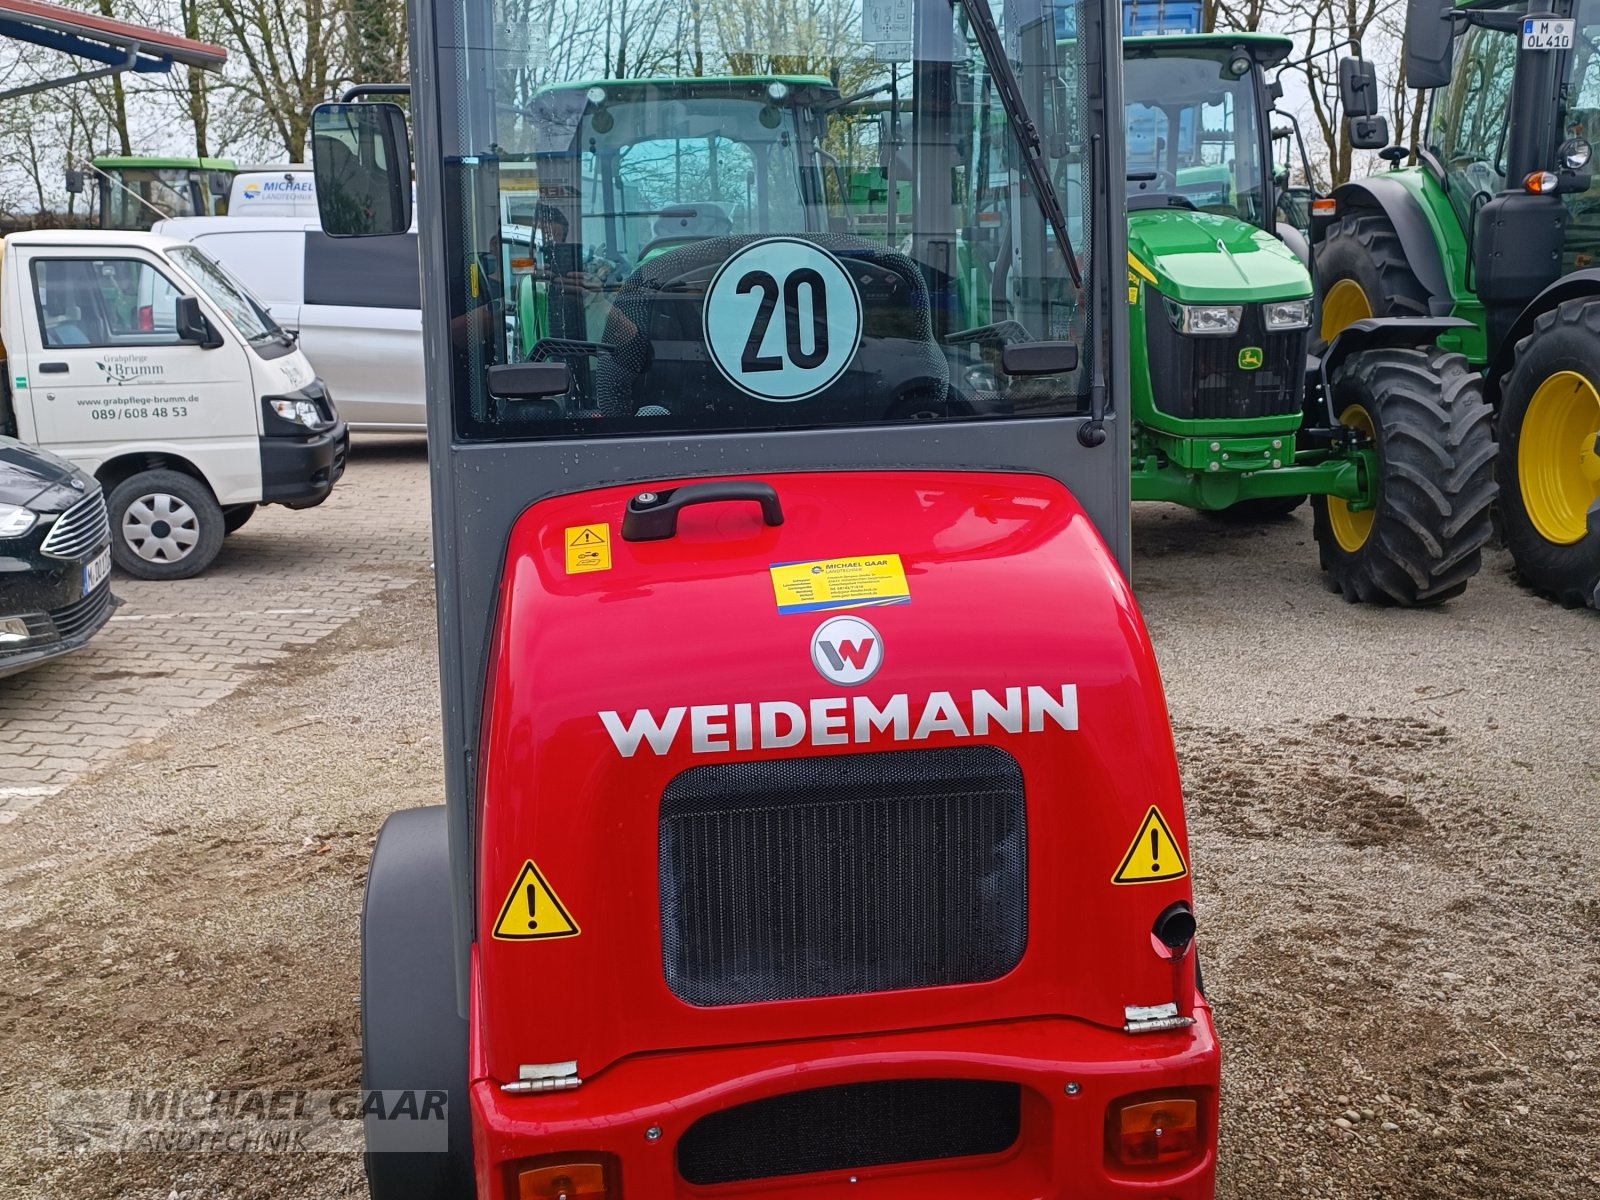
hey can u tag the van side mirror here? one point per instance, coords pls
(74, 181)
(1358, 87)
(1430, 43)
(192, 325)
(1368, 133)
(361, 159)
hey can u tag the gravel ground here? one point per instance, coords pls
(1393, 823)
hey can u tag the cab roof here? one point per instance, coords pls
(109, 238)
(1269, 49)
(136, 161)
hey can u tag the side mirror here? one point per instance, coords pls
(192, 325)
(361, 159)
(1358, 87)
(219, 183)
(529, 380)
(74, 181)
(1368, 133)
(1430, 43)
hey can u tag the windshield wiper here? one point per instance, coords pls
(1022, 124)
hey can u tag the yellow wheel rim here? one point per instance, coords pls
(1557, 468)
(1343, 306)
(1351, 529)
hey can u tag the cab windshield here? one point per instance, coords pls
(1193, 138)
(248, 316)
(708, 241)
(173, 191)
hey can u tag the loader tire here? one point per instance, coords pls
(1362, 272)
(1422, 538)
(412, 1036)
(1549, 464)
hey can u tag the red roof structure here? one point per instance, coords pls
(117, 45)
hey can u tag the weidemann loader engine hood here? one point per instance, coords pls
(1200, 257)
(702, 749)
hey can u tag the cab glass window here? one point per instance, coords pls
(799, 224)
(104, 302)
(244, 313)
(1467, 125)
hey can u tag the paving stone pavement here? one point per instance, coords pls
(286, 579)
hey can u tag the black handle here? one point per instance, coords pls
(652, 516)
(53, 368)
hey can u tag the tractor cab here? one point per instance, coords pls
(136, 192)
(812, 823)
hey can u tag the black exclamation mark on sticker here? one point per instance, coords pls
(1155, 853)
(533, 899)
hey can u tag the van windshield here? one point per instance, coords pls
(248, 316)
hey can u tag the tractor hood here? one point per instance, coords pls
(891, 763)
(1200, 257)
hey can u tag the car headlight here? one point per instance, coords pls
(1288, 314)
(1204, 319)
(16, 520)
(301, 412)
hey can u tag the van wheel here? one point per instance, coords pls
(165, 525)
(236, 516)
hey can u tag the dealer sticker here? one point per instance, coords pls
(1544, 33)
(823, 585)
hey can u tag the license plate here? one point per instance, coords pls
(94, 574)
(1540, 34)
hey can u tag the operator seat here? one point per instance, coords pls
(657, 354)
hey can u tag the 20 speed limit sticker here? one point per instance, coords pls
(782, 319)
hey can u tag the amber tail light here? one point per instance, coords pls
(562, 1181)
(1154, 1130)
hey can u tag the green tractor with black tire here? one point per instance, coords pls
(1386, 432)
(1495, 220)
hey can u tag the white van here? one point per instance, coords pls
(273, 190)
(355, 302)
(138, 358)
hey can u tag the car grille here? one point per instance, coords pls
(82, 615)
(1200, 379)
(80, 530)
(842, 875)
(852, 1126)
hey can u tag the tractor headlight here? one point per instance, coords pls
(1206, 319)
(15, 520)
(1289, 314)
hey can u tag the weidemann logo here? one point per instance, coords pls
(843, 720)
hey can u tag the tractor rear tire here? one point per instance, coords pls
(1423, 538)
(1255, 511)
(412, 1036)
(1362, 272)
(1549, 466)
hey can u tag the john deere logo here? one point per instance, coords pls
(1250, 358)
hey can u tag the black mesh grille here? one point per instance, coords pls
(852, 1126)
(1200, 379)
(840, 875)
(82, 615)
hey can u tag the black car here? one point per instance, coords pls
(55, 557)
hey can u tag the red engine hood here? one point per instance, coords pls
(610, 682)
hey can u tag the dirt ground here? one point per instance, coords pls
(1394, 822)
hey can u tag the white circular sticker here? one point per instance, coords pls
(782, 319)
(846, 650)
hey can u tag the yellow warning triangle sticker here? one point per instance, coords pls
(532, 912)
(1154, 856)
(587, 535)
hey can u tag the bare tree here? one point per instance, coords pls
(294, 54)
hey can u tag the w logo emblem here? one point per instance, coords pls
(846, 651)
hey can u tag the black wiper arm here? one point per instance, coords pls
(1022, 124)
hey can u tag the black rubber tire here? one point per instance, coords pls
(1565, 339)
(1436, 478)
(1255, 511)
(1365, 249)
(412, 1036)
(236, 516)
(207, 524)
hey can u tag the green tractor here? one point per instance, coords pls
(1496, 222)
(1386, 433)
(136, 192)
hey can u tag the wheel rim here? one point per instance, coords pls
(1352, 528)
(160, 528)
(1343, 306)
(1557, 467)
